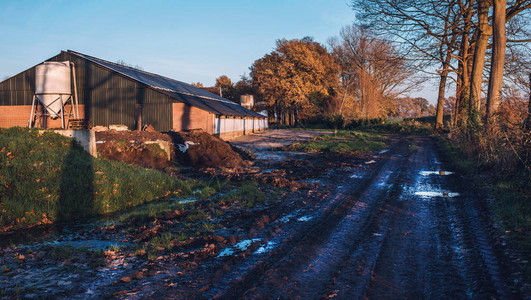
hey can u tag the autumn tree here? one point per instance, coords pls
(227, 88)
(412, 107)
(295, 79)
(373, 72)
(244, 86)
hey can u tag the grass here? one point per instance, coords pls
(247, 195)
(204, 217)
(46, 178)
(407, 127)
(344, 141)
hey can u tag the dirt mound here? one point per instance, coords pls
(129, 147)
(202, 150)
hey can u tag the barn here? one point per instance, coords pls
(113, 94)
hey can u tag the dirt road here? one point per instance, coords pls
(402, 226)
(395, 224)
(274, 138)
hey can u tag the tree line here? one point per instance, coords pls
(366, 70)
(465, 40)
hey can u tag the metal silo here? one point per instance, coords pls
(53, 89)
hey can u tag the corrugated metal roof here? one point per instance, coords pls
(177, 90)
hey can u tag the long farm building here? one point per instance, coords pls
(113, 94)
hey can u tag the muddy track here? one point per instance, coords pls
(402, 231)
(304, 244)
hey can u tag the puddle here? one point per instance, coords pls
(286, 218)
(241, 246)
(436, 194)
(276, 155)
(266, 248)
(187, 200)
(428, 173)
(304, 218)
(226, 252)
(313, 181)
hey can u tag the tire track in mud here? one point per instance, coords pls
(383, 239)
(425, 247)
(305, 264)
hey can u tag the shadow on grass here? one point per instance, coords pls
(76, 193)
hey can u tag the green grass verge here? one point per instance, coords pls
(408, 127)
(512, 205)
(47, 178)
(344, 141)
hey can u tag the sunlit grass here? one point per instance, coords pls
(345, 141)
(399, 127)
(47, 178)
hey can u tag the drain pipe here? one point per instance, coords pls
(76, 103)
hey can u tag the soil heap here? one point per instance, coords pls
(129, 147)
(202, 150)
(195, 148)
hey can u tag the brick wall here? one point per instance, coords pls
(18, 115)
(186, 117)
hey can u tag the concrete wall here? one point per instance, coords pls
(164, 145)
(228, 127)
(87, 139)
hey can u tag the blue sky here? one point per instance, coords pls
(191, 41)
(186, 40)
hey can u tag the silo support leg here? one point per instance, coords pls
(62, 113)
(30, 123)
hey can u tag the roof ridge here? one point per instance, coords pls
(119, 65)
(149, 73)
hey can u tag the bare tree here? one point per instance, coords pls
(502, 13)
(428, 30)
(450, 32)
(372, 70)
(122, 62)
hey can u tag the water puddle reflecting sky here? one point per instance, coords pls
(432, 194)
(304, 218)
(241, 246)
(266, 248)
(428, 173)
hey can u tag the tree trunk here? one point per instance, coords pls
(484, 32)
(463, 88)
(498, 60)
(528, 120)
(440, 101)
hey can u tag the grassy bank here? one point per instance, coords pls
(344, 141)
(47, 178)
